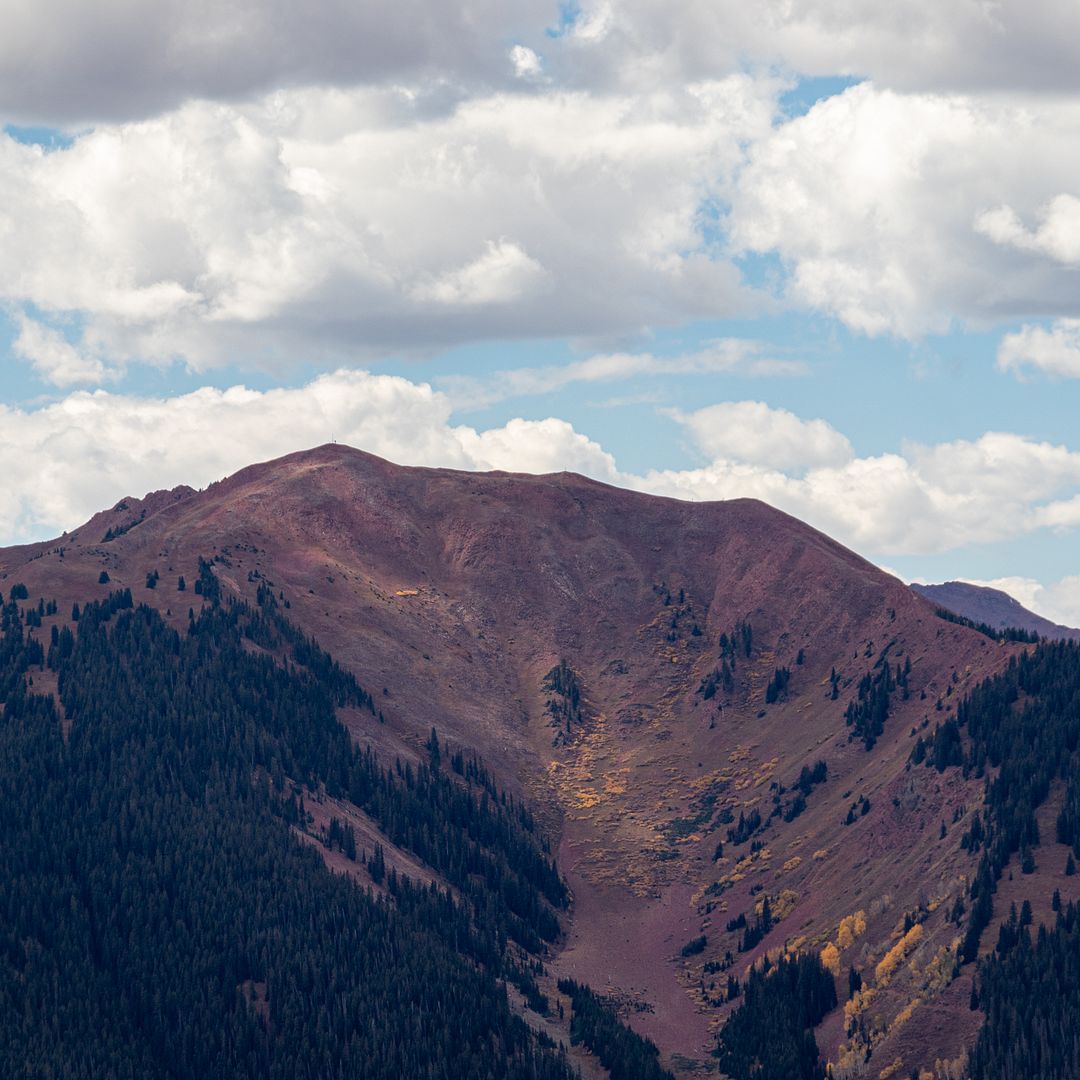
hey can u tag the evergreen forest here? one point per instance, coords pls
(159, 916)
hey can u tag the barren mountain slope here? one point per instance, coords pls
(992, 607)
(454, 597)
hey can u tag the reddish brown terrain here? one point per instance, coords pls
(452, 596)
(994, 608)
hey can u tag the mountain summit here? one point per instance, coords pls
(710, 709)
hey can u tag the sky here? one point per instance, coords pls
(823, 253)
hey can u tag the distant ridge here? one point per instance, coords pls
(994, 608)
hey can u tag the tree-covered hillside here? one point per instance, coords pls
(1023, 729)
(158, 917)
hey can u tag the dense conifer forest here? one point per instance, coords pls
(1006, 633)
(1030, 992)
(1023, 730)
(158, 916)
(626, 1055)
(771, 1033)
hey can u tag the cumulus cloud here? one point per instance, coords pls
(1053, 351)
(504, 272)
(921, 500)
(309, 210)
(751, 431)
(62, 61)
(1057, 235)
(53, 356)
(885, 208)
(527, 64)
(961, 45)
(322, 224)
(1007, 466)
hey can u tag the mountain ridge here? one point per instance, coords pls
(454, 595)
(994, 608)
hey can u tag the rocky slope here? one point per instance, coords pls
(614, 658)
(994, 608)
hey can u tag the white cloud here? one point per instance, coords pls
(1053, 351)
(907, 44)
(527, 64)
(726, 355)
(923, 500)
(751, 431)
(504, 272)
(1057, 236)
(876, 505)
(64, 61)
(300, 203)
(320, 225)
(55, 359)
(877, 203)
(997, 466)
(1060, 601)
(1061, 514)
(536, 446)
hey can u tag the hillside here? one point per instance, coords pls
(652, 678)
(993, 608)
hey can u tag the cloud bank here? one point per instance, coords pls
(65, 62)
(408, 177)
(321, 225)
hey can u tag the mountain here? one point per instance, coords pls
(993, 608)
(710, 711)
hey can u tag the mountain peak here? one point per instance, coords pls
(643, 672)
(994, 608)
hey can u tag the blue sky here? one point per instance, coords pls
(730, 254)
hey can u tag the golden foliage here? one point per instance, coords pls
(859, 1003)
(851, 927)
(906, 1013)
(830, 958)
(892, 960)
(781, 906)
